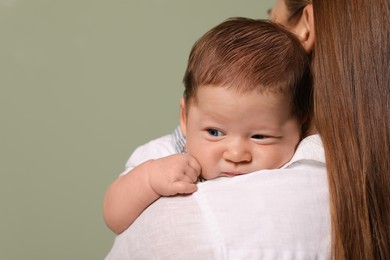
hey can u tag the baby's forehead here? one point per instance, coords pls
(212, 96)
(212, 99)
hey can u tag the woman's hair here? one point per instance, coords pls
(352, 108)
(245, 55)
(295, 9)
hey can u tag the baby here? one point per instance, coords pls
(246, 106)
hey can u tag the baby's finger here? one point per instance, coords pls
(194, 164)
(188, 178)
(182, 187)
(192, 174)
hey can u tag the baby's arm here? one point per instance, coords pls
(130, 194)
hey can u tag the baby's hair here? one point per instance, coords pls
(246, 55)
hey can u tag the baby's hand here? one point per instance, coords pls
(175, 174)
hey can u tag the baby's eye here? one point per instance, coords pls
(259, 136)
(214, 132)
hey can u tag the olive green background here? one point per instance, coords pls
(84, 82)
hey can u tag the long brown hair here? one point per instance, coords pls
(352, 113)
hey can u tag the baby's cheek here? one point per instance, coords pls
(209, 171)
(208, 175)
(284, 157)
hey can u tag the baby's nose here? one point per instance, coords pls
(237, 152)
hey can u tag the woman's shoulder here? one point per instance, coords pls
(309, 152)
(272, 214)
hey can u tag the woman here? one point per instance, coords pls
(352, 92)
(269, 214)
(352, 84)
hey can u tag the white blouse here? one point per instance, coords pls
(269, 214)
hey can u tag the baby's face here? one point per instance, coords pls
(232, 134)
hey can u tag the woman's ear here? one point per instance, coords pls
(305, 28)
(183, 116)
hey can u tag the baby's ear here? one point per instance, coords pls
(305, 28)
(183, 116)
